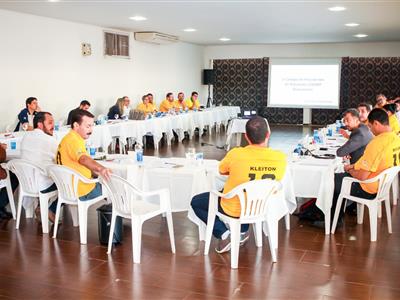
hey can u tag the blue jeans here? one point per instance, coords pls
(96, 192)
(200, 205)
(52, 188)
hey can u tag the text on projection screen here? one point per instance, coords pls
(309, 86)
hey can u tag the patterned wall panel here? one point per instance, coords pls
(244, 83)
(239, 82)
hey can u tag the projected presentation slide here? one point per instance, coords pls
(304, 83)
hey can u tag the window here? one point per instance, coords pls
(116, 44)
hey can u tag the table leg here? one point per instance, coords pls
(328, 222)
(287, 221)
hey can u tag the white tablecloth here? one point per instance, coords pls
(183, 182)
(99, 138)
(314, 177)
(237, 126)
(137, 129)
(102, 134)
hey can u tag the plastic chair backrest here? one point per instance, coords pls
(27, 173)
(386, 180)
(253, 196)
(121, 193)
(66, 180)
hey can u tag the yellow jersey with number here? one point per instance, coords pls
(249, 163)
(70, 150)
(394, 124)
(382, 152)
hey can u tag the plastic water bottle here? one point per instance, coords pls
(316, 136)
(338, 125)
(298, 149)
(139, 152)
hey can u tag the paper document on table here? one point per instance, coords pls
(169, 165)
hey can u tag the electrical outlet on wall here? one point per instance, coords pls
(86, 49)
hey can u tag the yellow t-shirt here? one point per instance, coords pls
(146, 108)
(249, 163)
(70, 150)
(152, 107)
(394, 124)
(191, 104)
(382, 152)
(180, 105)
(166, 105)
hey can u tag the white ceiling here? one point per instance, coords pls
(245, 22)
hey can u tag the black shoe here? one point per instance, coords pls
(321, 224)
(4, 214)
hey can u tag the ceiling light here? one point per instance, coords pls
(53, 0)
(360, 35)
(138, 18)
(352, 24)
(337, 8)
(189, 30)
(224, 39)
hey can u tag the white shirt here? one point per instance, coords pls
(41, 149)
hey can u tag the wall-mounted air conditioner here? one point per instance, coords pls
(155, 37)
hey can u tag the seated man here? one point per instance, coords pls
(151, 101)
(40, 147)
(25, 117)
(4, 214)
(363, 110)
(359, 137)
(145, 106)
(381, 100)
(242, 165)
(393, 121)
(193, 103)
(168, 103)
(85, 105)
(72, 153)
(397, 102)
(180, 103)
(382, 152)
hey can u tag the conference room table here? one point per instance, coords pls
(102, 135)
(186, 178)
(314, 177)
(237, 127)
(180, 123)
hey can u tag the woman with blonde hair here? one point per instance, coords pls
(116, 111)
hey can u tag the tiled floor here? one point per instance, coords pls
(310, 265)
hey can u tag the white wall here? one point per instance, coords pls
(41, 57)
(384, 49)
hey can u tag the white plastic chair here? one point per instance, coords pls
(7, 184)
(253, 196)
(385, 181)
(129, 202)
(27, 174)
(66, 180)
